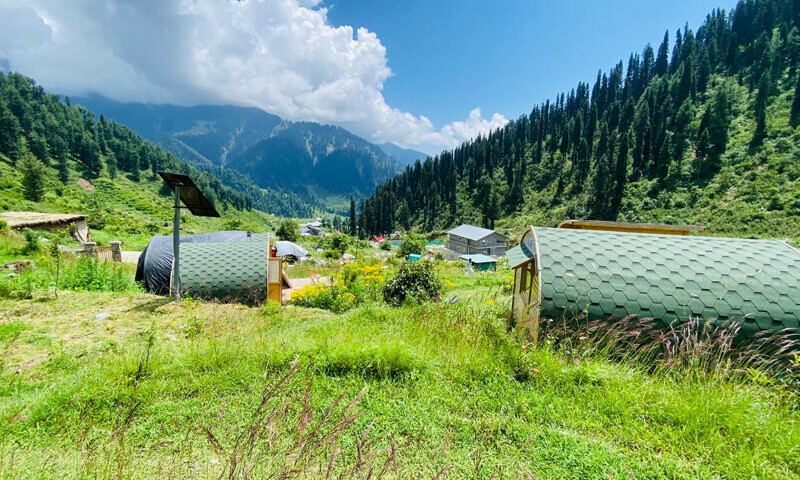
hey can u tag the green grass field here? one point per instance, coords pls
(440, 390)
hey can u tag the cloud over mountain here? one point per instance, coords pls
(283, 56)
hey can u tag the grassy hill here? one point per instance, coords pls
(120, 209)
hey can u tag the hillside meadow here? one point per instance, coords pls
(123, 384)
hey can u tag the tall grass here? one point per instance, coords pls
(76, 273)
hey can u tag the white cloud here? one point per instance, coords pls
(279, 55)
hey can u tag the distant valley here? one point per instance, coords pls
(317, 162)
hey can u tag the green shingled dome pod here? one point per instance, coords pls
(225, 271)
(754, 283)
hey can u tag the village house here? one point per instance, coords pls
(470, 239)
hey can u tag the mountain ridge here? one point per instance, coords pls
(273, 152)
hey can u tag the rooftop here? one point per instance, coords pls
(478, 258)
(33, 219)
(471, 232)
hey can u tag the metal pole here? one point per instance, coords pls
(176, 244)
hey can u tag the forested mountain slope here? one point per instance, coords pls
(315, 160)
(306, 158)
(56, 157)
(701, 129)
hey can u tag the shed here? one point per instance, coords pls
(470, 239)
(564, 273)
(49, 222)
(481, 262)
(225, 271)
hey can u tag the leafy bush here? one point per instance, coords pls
(289, 230)
(411, 243)
(386, 246)
(336, 245)
(415, 281)
(3, 225)
(31, 242)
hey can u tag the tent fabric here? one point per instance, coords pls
(225, 271)
(752, 283)
(155, 262)
(284, 248)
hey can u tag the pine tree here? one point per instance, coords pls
(34, 175)
(620, 175)
(662, 62)
(796, 102)
(761, 113)
(10, 138)
(352, 216)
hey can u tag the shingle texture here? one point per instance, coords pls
(755, 283)
(225, 271)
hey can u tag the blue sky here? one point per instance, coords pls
(506, 56)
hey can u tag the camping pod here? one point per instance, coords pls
(601, 275)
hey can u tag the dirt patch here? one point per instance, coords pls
(85, 184)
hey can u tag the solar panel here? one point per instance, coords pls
(191, 196)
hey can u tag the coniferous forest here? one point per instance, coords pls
(699, 129)
(53, 142)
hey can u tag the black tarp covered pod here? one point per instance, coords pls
(155, 262)
(561, 273)
(225, 271)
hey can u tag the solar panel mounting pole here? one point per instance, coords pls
(186, 191)
(176, 243)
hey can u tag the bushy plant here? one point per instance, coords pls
(416, 281)
(386, 246)
(288, 230)
(336, 245)
(92, 274)
(411, 243)
(32, 244)
(365, 281)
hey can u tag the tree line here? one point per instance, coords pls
(663, 116)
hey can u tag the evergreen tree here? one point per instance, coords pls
(662, 62)
(761, 113)
(796, 102)
(34, 173)
(10, 138)
(352, 216)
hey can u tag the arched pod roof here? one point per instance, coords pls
(755, 283)
(225, 271)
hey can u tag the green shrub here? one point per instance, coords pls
(336, 245)
(386, 245)
(32, 244)
(289, 230)
(411, 243)
(416, 281)
(3, 225)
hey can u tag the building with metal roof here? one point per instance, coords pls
(470, 239)
(481, 262)
(601, 275)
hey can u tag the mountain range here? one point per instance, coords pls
(312, 160)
